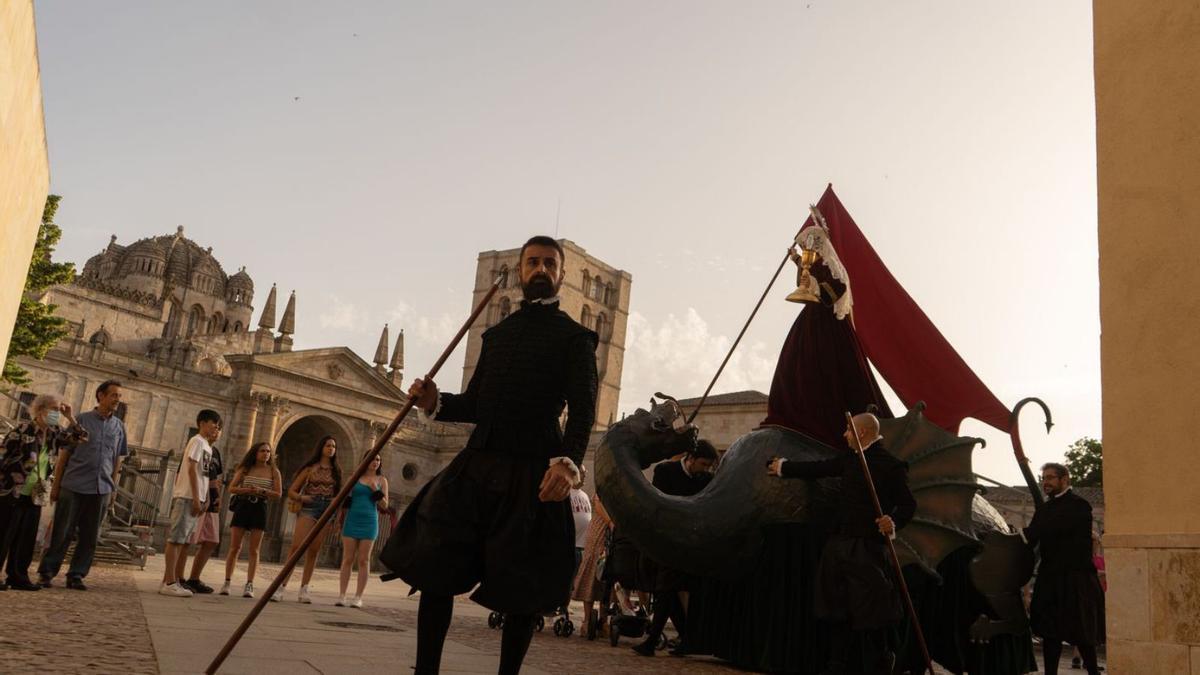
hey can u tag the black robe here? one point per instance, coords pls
(479, 521)
(1068, 601)
(855, 581)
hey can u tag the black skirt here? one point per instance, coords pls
(250, 515)
(855, 583)
(1068, 607)
(480, 522)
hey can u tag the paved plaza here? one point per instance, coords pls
(121, 625)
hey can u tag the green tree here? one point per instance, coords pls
(1086, 462)
(37, 329)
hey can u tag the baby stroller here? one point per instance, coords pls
(619, 568)
(496, 621)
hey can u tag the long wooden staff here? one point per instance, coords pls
(908, 604)
(347, 486)
(817, 218)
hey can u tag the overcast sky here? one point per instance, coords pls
(363, 153)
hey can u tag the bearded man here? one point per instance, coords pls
(496, 517)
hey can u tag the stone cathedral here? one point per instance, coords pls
(162, 316)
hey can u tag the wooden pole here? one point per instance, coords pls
(311, 537)
(908, 604)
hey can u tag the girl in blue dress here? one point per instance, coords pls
(361, 527)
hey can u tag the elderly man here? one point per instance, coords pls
(496, 517)
(856, 591)
(83, 480)
(1068, 601)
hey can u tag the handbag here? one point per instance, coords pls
(295, 505)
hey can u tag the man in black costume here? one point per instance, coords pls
(497, 515)
(856, 588)
(684, 478)
(1068, 601)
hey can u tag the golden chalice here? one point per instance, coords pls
(806, 286)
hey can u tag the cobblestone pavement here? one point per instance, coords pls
(564, 655)
(102, 630)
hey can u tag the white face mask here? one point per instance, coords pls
(53, 418)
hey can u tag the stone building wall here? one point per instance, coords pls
(1147, 66)
(24, 165)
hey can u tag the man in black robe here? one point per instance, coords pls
(684, 478)
(856, 589)
(1068, 601)
(497, 516)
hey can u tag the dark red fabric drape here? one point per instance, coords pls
(903, 344)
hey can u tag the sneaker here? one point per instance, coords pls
(304, 597)
(175, 590)
(356, 602)
(197, 586)
(248, 591)
(225, 588)
(341, 601)
(278, 597)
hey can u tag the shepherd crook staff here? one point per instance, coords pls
(818, 219)
(347, 486)
(908, 605)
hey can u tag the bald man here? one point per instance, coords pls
(856, 590)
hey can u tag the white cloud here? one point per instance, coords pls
(339, 315)
(678, 355)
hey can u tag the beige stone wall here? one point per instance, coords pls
(1147, 66)
(24, 165)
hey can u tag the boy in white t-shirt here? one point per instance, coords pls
(188, 500)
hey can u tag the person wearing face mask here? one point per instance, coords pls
(497, 516)
(30, 450)
(84, 479)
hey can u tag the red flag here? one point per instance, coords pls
(909, 351)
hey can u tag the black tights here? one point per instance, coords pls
(666, 606)
(1052, 652)
(433, 622)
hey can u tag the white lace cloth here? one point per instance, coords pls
(816, 238)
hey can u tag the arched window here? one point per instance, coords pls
(597, 287)
(195, 320)
(237, 327)
(505, 308)
(171, 328)
(215, 323)
(610, 295)
(585, 318)
(587, 284)
(100, 338)
(602, 326)
(504, 277)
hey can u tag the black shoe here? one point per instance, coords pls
(197, 586)
(646, 648)
(24, 586)
(76, 584)
(44, 581)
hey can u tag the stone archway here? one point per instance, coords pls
(294, 447)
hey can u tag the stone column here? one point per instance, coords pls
(273, 408)
(245, 418)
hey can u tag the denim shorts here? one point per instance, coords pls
(183, 522)
(316, 507)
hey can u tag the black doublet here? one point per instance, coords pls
(479, 521)
(1068, 601)
(855, 582)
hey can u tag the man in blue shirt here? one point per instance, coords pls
(83, 480)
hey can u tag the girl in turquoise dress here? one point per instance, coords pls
(361, 527)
